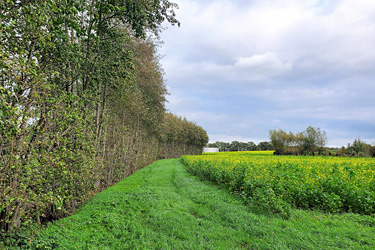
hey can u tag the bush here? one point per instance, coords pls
(372, 151)
(266, 199)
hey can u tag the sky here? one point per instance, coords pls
(241, 68)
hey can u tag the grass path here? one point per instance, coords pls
(164, 207)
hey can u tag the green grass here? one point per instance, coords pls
(164, 207)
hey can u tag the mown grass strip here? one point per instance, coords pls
(164, 207)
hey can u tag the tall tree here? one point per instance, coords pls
(358, 146)
(265, 145)
(279, 140)
(81, 102)
(312, 139)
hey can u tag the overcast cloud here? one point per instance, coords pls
(240, 68)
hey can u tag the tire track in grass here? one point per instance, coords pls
(164, 207)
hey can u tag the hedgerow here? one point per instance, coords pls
(82, 103)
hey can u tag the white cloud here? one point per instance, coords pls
(212, 117)
(307, 60)
(252, 68)
(267, 63)
(182, 103)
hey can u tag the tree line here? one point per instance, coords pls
(82, 102)
(240, 146)
(306, 142)
(311, 141)
(357, 148)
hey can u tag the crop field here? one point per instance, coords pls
(163, 207)
(332, 184)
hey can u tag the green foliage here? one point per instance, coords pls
(358, 146)
(240, 146)
(82, 103)
(265, 145)
(266, 199)
(279, 140)
(306, 142)
(372, 151)
(312, 139)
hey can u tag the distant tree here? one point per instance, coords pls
(312, 139)
(251, 146)
(212, 145)
(358, 146)
(240, 146)
(342, 151)
(223, 146)
(234, 146)
(372, 151)
(265, 145)
(290, 139)
(279, 140)
(243, 146)
(367, 149)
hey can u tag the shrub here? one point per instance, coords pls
(372, 151)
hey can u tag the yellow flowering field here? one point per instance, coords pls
(333, 184)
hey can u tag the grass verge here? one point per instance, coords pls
(164, 207)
